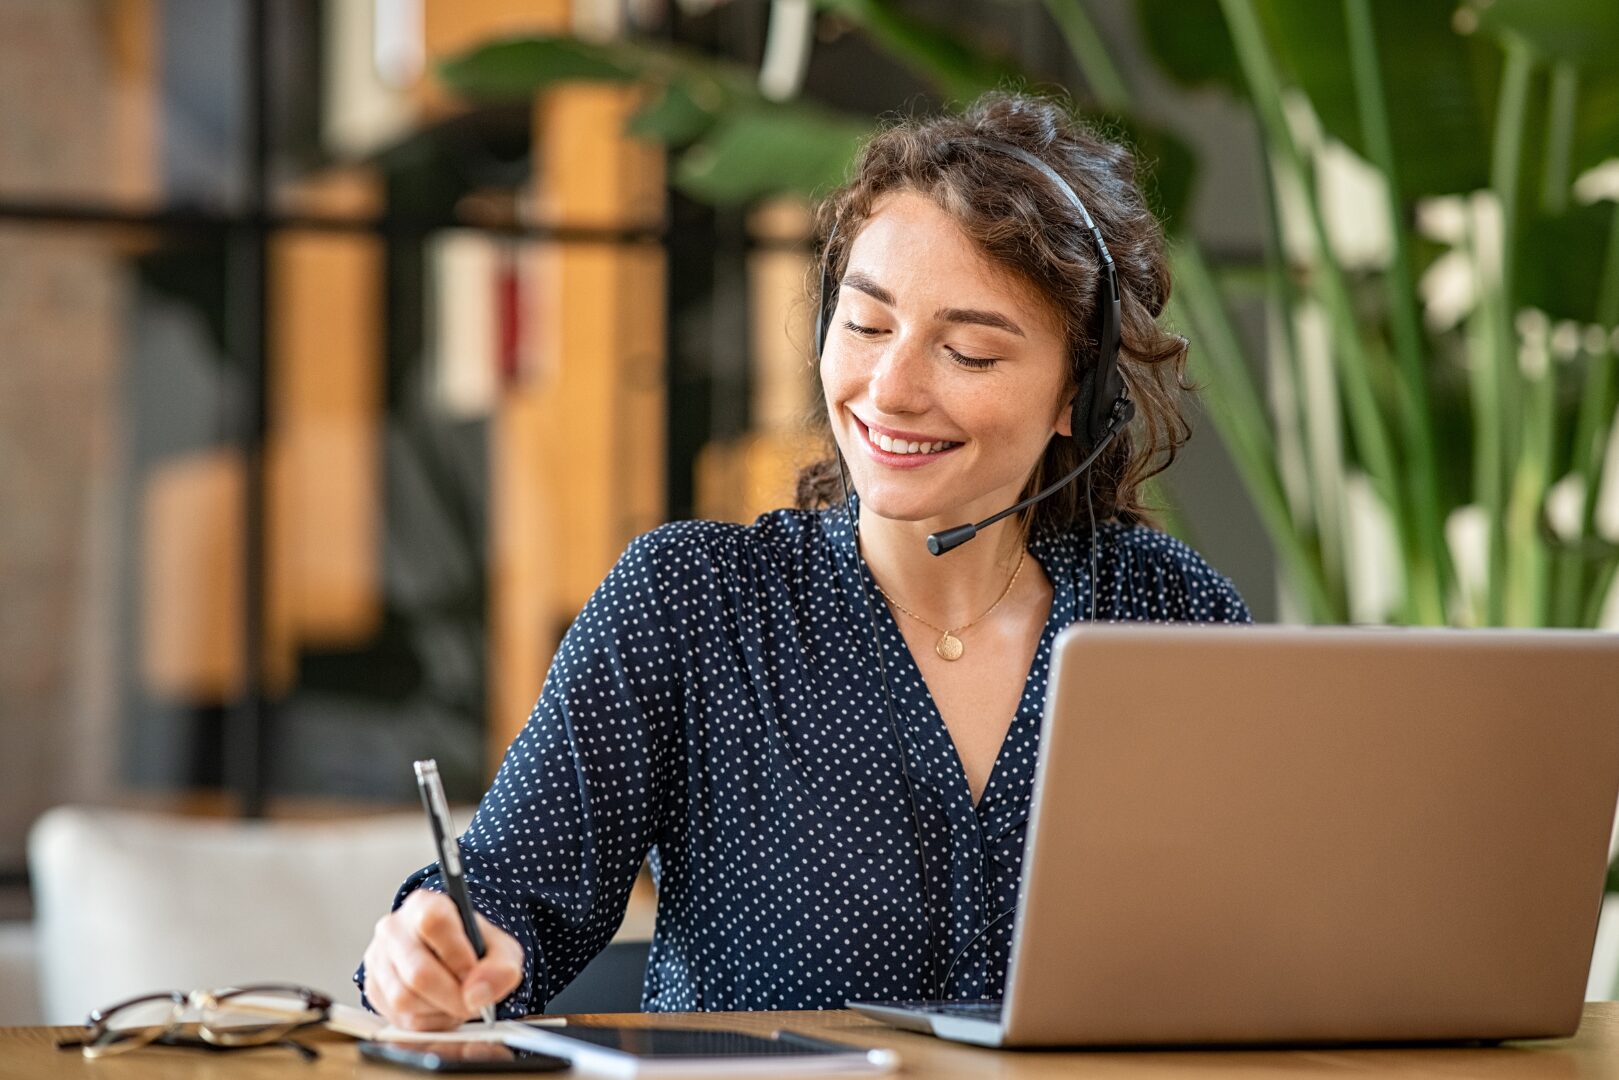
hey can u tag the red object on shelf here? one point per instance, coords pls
(508, 319)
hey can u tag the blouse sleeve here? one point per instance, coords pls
(1158, 578)
(557, 842)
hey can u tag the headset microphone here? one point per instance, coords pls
(940, 542)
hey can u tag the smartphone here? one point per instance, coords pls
(461, 1057)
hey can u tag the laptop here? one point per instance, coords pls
(1268, 835)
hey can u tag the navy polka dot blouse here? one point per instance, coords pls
(717, 705)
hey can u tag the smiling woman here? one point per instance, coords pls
(833, 791)
(986, 215)
(904, 365)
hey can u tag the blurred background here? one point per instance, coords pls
(344, 344)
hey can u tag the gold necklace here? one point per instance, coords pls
(949, 646)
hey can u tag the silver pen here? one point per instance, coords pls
(449, 858)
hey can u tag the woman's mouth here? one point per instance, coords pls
(902, 449)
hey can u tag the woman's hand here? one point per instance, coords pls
(421, 972)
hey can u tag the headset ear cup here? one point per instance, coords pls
(1107, 387)
(1079, 418)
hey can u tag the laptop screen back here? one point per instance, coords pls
(1279, 835)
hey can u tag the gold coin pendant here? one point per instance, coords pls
(949, 647)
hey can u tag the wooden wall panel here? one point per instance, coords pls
(134, 116)
(589, 173)
(325, 398)
(192, 576)
(741, 478)
(453, 26)
(523, 623)
(323, 483)
(191, 585)
(642, 391)
(579, 459)
(782, 339)
(605, 393)
(582, 442)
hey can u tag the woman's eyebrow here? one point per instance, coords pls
(855, 279)
(993, 319)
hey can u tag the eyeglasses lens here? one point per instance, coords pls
(249, 1016)
(135, 1023)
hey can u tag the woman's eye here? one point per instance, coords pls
(975, 362)
(978, 362)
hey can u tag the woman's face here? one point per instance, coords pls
(944, 373)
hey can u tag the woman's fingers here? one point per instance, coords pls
(498, 973)
(436, 923)
(425, 971)
(393, 997)
(422, 981)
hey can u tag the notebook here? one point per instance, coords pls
(363, 1024)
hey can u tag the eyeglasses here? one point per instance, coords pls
(238, 1017)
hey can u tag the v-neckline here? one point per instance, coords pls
(960, 785)
(1027, 713)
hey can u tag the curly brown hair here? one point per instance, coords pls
(1022, 222)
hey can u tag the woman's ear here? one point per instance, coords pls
(1065, 416)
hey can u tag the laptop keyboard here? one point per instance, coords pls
(974, 1010)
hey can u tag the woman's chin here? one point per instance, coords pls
(906, 507)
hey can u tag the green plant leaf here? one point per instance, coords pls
(766, 149)
(1583, 32)
(674, 118)
(738, 145)
(1560, 261)
(960, 69)
(1191, 43)
(1596, 120)
(1165, 167)
(518, 68)
(1440, 84)
(1440, 87)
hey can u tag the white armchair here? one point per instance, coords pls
(128, 902)
(19, 975)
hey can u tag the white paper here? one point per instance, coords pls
(362, 1024)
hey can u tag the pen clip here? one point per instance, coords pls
(438, 810)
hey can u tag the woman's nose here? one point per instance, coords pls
(899, 378)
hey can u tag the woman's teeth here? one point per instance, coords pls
(900, 446)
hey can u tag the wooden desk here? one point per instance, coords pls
(30, 1053)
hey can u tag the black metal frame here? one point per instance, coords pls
(389, 226)
(247, 229)
(246, 314)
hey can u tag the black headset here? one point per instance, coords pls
(1101, 409)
